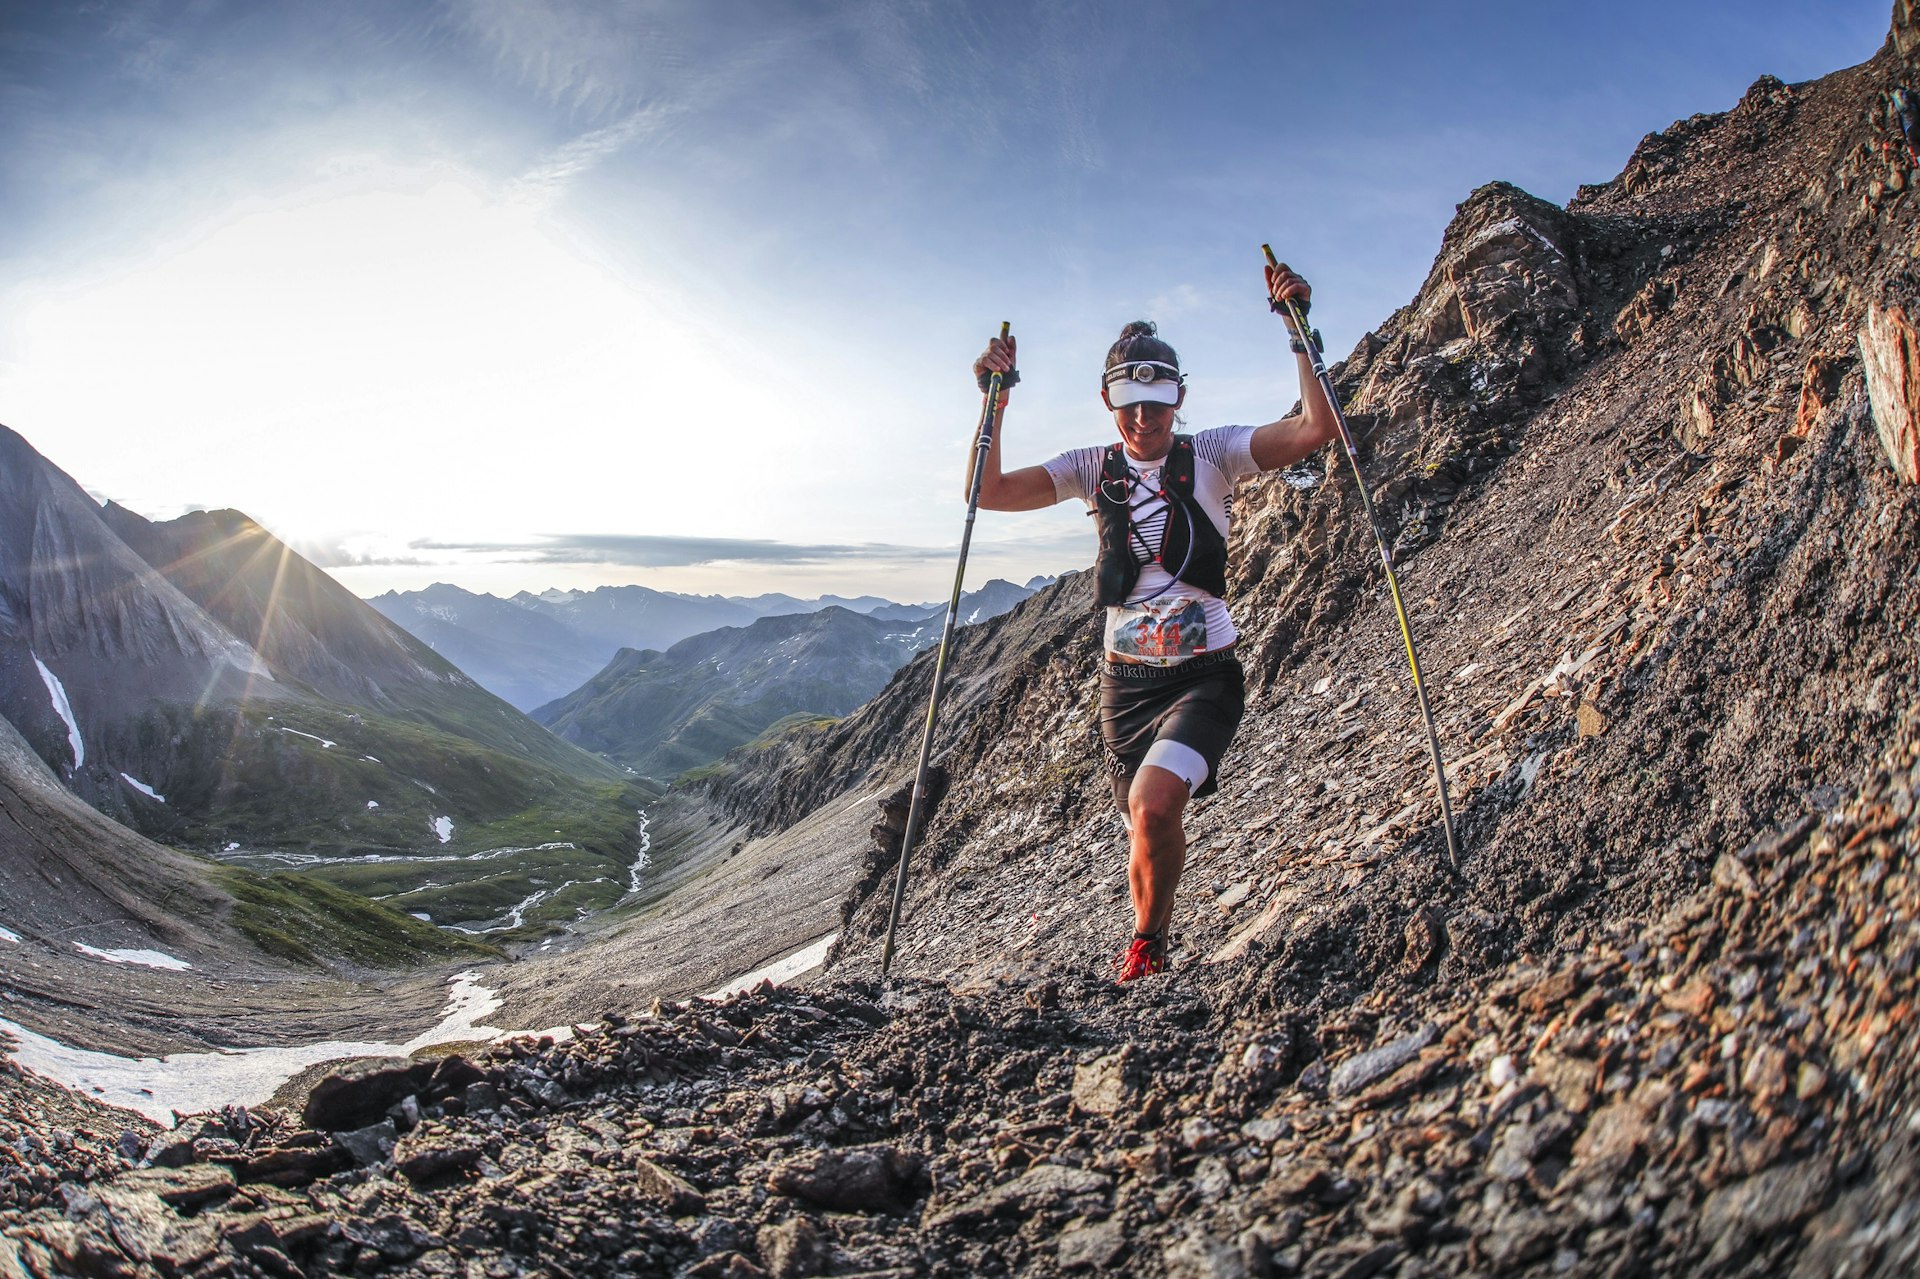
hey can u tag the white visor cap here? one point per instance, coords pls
(1142, 382)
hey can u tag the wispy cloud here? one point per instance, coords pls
(585, 57)
(649, 551)
(334, 552)
(568, 161)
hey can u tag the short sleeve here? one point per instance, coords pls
(1229, 449)
(1076, 473)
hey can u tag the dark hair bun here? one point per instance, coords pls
(1141, 341)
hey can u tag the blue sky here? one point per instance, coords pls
(519, 293)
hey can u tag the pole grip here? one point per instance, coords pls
(1289, 310)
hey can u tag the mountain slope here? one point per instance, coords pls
(311, 630)
(70, 878)
(663, 713)
(325, 736)
(87, 629)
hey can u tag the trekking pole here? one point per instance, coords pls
(916, 814)
(1297, 318)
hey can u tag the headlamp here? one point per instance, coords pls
(1145, 371)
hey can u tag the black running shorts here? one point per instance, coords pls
(1197, 704)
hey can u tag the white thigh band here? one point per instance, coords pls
(1184, 762)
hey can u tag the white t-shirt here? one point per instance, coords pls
(1165, 621)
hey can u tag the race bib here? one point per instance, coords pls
(1163, 631)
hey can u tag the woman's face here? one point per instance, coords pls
(1147, 429)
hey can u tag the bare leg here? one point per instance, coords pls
(1155, 802)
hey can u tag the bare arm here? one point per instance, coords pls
(1290, 439)
(1030, 487)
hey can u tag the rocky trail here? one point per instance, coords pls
(1724, 1089)
(1652, 479)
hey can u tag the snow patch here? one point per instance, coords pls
(64, 709)
(807, 957)
(421, 915)
(324, 743)
(443, 828)
(142, 787)
(373, 803)
(7, 934)
(194, 1082)
(1513, 226)
(144, 958)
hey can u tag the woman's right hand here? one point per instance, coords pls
(997, 358)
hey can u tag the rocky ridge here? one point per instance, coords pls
(1660, 555)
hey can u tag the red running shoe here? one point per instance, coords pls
(1146, 956)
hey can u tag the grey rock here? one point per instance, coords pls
(1200, 1255)
(1212, 1181)
(481, 1097)
(656, 1182)
(1517, 1238)
(1090, 1245)
(792, 1249)
(1748, 1211)
(1041, 1187)
(1357, 1072)
(392, 1236)
(860, 1179)
(360, 1092)
(370, 1145)
(429, 1154)
(147, 1230)
(187, 1189)
(1355, 1259)
(1103, 1087)
(1522, 1145)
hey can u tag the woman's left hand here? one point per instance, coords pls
(1283, 284)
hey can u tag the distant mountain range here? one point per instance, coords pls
(531, 649)
(661, 713)
(201, 683)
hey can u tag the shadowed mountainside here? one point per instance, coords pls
(203, 684)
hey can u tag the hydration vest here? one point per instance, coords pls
(1191, 549)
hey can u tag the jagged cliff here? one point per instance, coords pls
(1646, 463)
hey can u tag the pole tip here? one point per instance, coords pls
(1006, 326)
(1268, 250)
